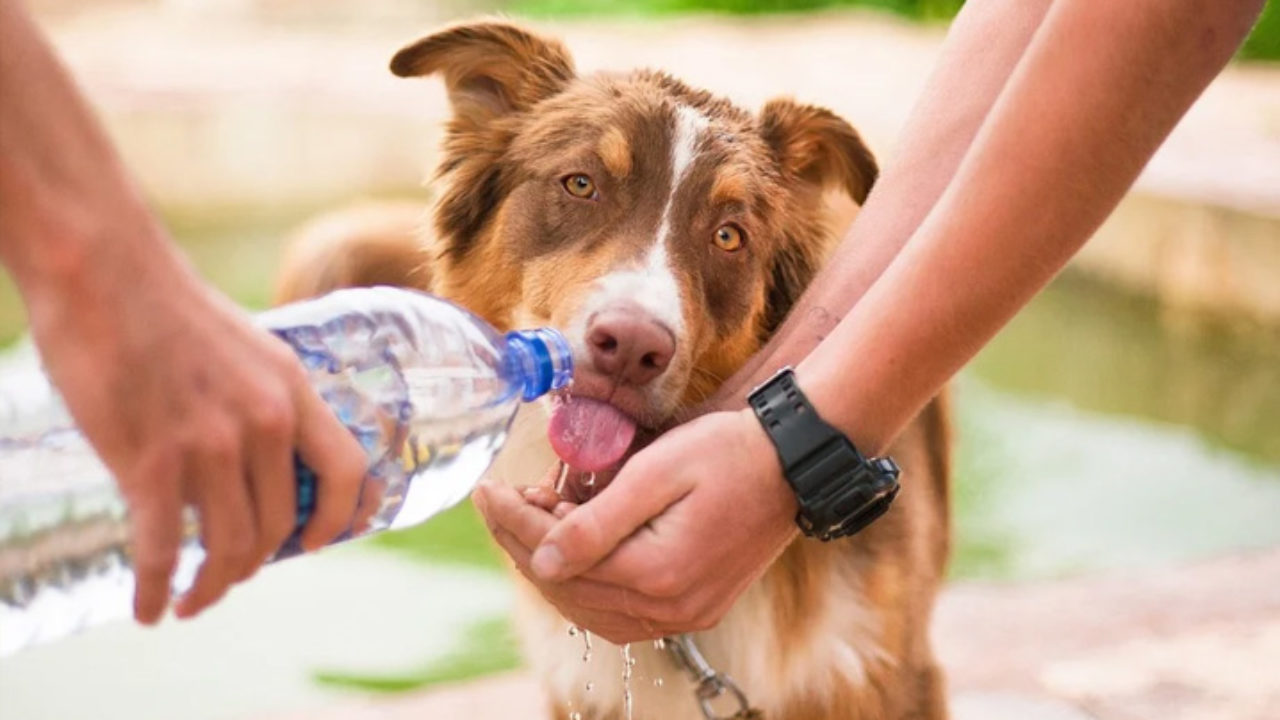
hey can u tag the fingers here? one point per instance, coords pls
(631, 564)
(272, 486)
(371, 493)
(609, 599)
(156, 514)
(542, 496)
(333, 453)
(594, 606)
(505, 508)
(592, 531)
(547, 499)
(227, 530)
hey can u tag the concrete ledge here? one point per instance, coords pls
(1212, 259)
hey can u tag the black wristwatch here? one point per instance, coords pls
(840, 491)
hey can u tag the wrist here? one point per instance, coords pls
(839, 490)
(775, 490)
(838, 397)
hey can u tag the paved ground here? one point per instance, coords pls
(1194, 643)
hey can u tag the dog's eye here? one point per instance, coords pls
(580, 186)
(730, 237)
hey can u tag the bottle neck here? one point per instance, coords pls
(539, 361)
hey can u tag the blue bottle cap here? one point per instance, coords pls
(544, 360)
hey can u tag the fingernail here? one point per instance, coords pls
(547, 562)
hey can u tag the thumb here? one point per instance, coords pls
(590, 532)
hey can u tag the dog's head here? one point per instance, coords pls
(664, 230)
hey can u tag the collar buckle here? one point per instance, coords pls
(711, 684)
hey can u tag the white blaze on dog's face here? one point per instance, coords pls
(664, 230)
(627, 329)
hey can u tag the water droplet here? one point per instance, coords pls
(660, 644)
(590, 686)
(564, 476)
(575, 716)
(590, 481)
(586, 639)
(628, 663)
(573, 631)
(657, 682)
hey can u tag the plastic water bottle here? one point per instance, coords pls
(428, 389)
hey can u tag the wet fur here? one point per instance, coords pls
(836, 630)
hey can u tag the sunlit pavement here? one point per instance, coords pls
(1181, 644)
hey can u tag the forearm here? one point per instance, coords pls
(65, 200)
(1099, 88)
(982, 47)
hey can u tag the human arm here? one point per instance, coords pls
(1095, 92)
(184, 400)
(984, 43)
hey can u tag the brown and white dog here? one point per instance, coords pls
(667, 233)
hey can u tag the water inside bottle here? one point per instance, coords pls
(65, 560)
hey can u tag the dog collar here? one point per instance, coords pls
(709, 684)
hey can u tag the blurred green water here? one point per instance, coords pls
(1114, 353)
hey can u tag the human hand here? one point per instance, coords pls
(667, 547)
(187, 403)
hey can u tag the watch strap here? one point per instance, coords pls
(838, 489)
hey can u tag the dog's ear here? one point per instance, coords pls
(792, 270)
(817, 146)
(489, 68)
(811, 145)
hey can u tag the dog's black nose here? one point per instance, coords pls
(628, 344)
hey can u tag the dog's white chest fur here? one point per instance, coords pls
(748, 644)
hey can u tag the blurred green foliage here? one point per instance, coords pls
(1262, 44)
(1264, 41)
(487, 647)
(920, 9)
(456, 536)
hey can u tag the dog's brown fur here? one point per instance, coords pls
(836, 630)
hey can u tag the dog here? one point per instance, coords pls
(667, 233)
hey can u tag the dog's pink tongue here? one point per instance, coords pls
(589, 435)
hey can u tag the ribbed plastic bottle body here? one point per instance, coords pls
(428, 389)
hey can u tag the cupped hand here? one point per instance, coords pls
(667, 547)
(188, 404)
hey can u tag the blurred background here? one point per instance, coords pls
(1118, 486)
